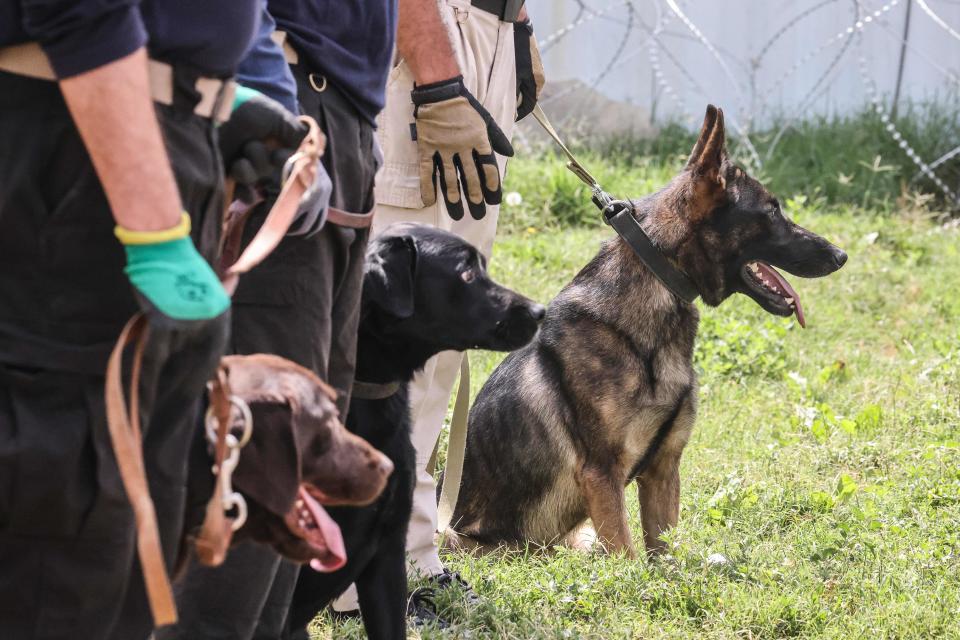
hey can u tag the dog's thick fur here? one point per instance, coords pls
(607, 392)
(425, 291)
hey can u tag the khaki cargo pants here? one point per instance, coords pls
(484, 49)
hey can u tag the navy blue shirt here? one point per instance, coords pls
(265, 67)
(350, 43)
(79, 35)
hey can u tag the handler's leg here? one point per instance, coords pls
(67, 535)
(484, 49)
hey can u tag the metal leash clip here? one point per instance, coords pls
(231, 499)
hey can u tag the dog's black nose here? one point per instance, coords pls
(840, 257)
(537, 312)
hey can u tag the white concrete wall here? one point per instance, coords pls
(760, 87)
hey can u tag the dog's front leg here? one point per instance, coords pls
(659, 491)
(382, 591)
(606, 507)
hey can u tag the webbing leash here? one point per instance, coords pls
(124, 422)
(456, 450)
(600, 197)
(620, 215)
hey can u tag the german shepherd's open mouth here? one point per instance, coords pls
(771, 290)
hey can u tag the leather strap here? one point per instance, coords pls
(217, 530)
(302, 172)
(619, 215)
(352, 220)
(456, 450)
(628, 228)
(124, 424)
(127, 440)
(216, 95)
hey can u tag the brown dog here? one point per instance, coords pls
(606, 394)
(299, 458)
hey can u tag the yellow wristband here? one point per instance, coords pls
(128, 236)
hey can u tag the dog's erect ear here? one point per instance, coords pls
(390, 274)
(269, 471)
(708, 153)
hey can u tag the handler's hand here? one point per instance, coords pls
(530, 77)
(172, 282)
(457, 138)
(257, 140)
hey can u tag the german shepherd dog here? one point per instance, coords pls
(607, 394)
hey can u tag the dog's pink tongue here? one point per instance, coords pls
(336, 555)
(774, 275)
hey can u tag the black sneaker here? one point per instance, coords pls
(449, 579)
(422, 606)
(422, 610)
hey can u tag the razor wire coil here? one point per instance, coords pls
(635, 33)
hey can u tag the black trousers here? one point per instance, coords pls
(302, 303)
(68, 566)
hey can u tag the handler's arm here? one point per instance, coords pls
(428, 54)
(112, 108)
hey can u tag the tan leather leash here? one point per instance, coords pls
(299, 174)
(456, 450)
(124, 422)
(127, 443)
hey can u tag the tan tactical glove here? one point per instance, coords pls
(530, 78)
(457, 138)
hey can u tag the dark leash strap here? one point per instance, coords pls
(620, 215)
(123, 422)
(374, 390)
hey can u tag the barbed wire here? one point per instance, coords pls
(665, 30)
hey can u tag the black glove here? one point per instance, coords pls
(530, 78)
(457, 138)
(257, 140)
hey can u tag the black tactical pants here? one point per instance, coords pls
(68, 566)
(302, 303)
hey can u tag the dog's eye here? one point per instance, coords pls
(469, 275)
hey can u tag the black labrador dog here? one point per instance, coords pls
(424, 291)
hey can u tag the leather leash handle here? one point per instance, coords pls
(456, 450)
(124, 423)
(125, 435)
(303, 173)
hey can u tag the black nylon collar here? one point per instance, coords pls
(619, 215)
(374, 390)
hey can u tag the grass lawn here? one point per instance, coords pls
(821, 488)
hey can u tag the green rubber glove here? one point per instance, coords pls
(170, 277)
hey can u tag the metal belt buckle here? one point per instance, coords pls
(511, 10)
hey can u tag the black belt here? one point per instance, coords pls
(506, 10)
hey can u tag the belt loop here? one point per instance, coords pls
(223, 106)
